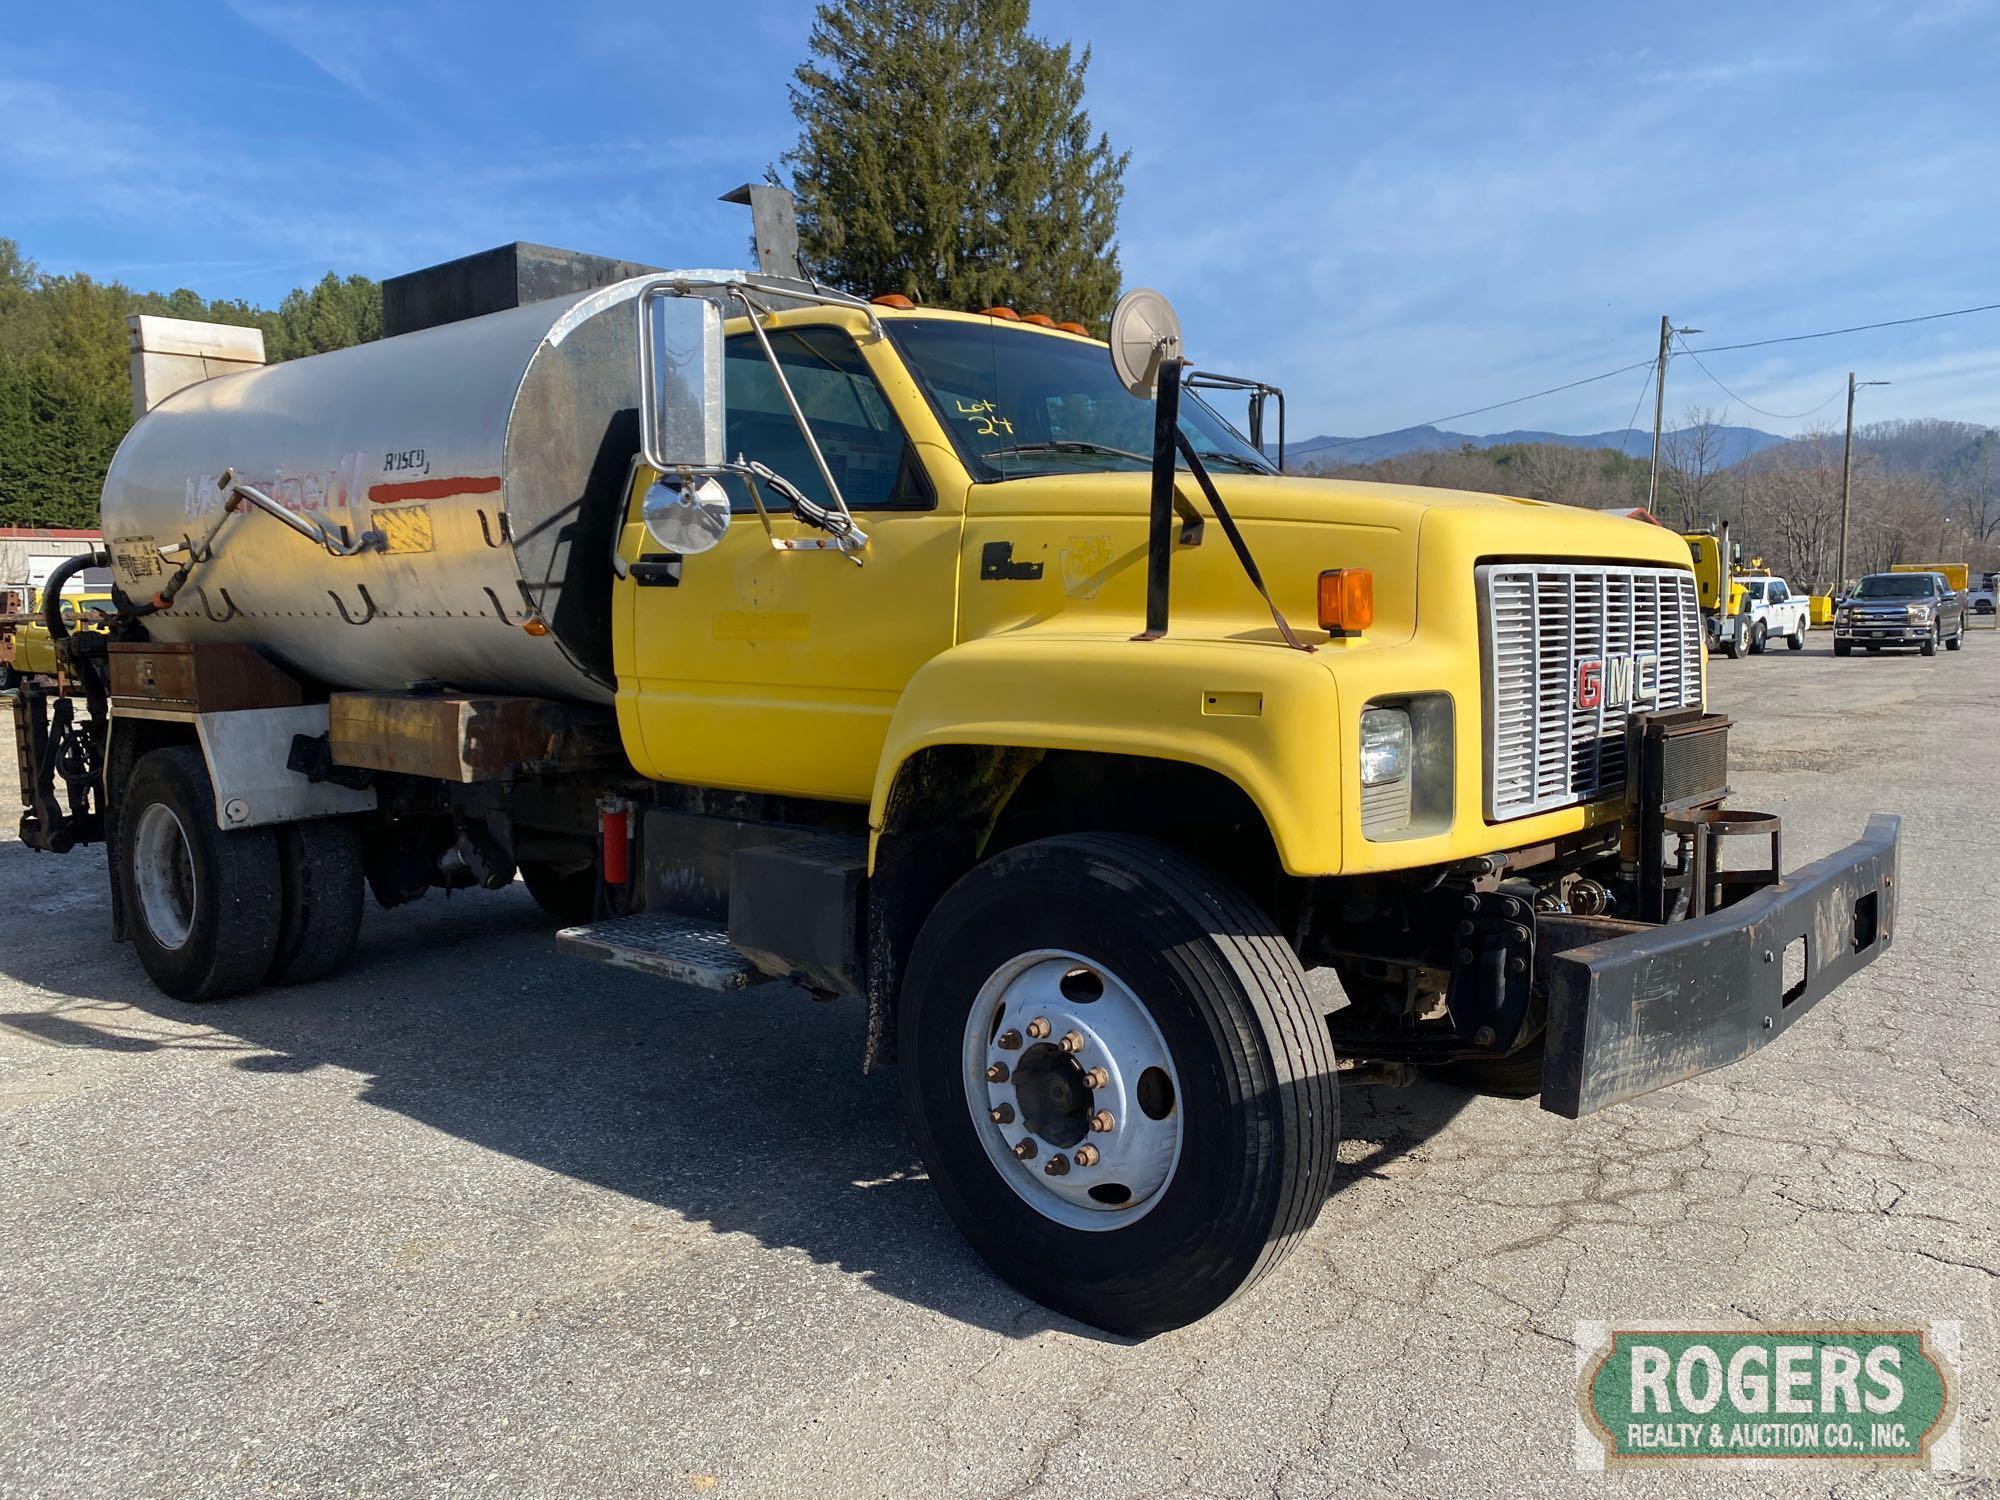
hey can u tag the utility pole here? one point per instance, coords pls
(1667, 331)
(1847, 476)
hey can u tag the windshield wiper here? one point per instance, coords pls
(1066, 446)
(1250, 465)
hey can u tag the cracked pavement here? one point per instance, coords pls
(474, 1218)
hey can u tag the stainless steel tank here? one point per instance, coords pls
(493, 455)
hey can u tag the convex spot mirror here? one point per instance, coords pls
(1144, 331)
(681, 408)
(686, 515)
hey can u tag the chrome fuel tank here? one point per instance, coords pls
(492, 454)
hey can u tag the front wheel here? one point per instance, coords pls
(1843, 648)
(1757, 636)
(1930, 645)
(1732, 645)
(1123, 1091)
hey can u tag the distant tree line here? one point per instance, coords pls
(1923, 491)
(65, 397)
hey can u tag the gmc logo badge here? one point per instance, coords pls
(1631, 680)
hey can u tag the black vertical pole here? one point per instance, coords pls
(1160, 538)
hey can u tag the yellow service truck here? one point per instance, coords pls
(960, 664)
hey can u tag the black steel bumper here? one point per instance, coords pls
(1660, 1004)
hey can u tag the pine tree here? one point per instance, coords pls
(945, 153)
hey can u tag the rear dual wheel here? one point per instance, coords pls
(213, 913)
(1121, 1087)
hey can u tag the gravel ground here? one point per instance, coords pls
(477, 1219)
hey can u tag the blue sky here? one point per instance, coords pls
(1395, 211)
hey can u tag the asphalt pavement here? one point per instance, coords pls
(475, 1218)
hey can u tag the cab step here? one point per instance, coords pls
(688, 950)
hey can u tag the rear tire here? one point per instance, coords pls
(568, 897)
(203, 904)
(1957, 640)
(320, 913)
(1216, 1013)
(1796, 641)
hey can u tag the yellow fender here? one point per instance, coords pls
(1264, 717)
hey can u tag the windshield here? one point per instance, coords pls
(1017, 403)
(1894, 586)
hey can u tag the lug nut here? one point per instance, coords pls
(1097, 1078)
(1471, 903)
(1008, 1040)
(1058, 1164)
(1465, 929)
(1038, 1028)
(1026, 1149)
(1001, 1114)
(1465, 955)
(1072, 1041)
(1517, 966)
(1086, 1156)
(1483, 1037)
(1102, 1121)
(997, 1073)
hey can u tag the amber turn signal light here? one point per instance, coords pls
(1346, 600)
(892, 299)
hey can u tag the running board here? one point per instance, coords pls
(688, 950)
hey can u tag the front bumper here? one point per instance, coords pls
(1898, 634)
(1656, 1005)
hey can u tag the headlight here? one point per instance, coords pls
(1385, 745)
(1919, 613)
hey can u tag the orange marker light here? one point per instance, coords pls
(1040, 320)
(1346, 600)
(891, 299)
(1002, 312)
(1074, 328)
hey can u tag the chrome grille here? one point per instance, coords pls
(1541, 624)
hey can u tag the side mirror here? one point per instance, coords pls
(681, 410)
(686, 515)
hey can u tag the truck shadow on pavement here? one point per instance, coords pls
(747, 1113)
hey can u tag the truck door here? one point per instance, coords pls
(778, 671)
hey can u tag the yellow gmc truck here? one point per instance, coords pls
(960, 664)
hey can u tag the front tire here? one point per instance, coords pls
(1757, 638)
(1843, 648)
(1191, 1029)
(204, 905)
(1929, 647)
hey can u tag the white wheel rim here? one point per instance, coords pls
(163, 873)
(1047, 1102)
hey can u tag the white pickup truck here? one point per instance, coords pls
(1769, 609)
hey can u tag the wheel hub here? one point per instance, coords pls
(1072, 1090)
(163, 875)
(1054, 1100)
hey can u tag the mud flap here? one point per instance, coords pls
(1643, 1011)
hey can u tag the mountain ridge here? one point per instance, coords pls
(1735, 443)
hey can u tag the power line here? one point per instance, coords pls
(1793, 338)
(1478, 410)
(1798, 338)
(1643, 389)
(1782, 416)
